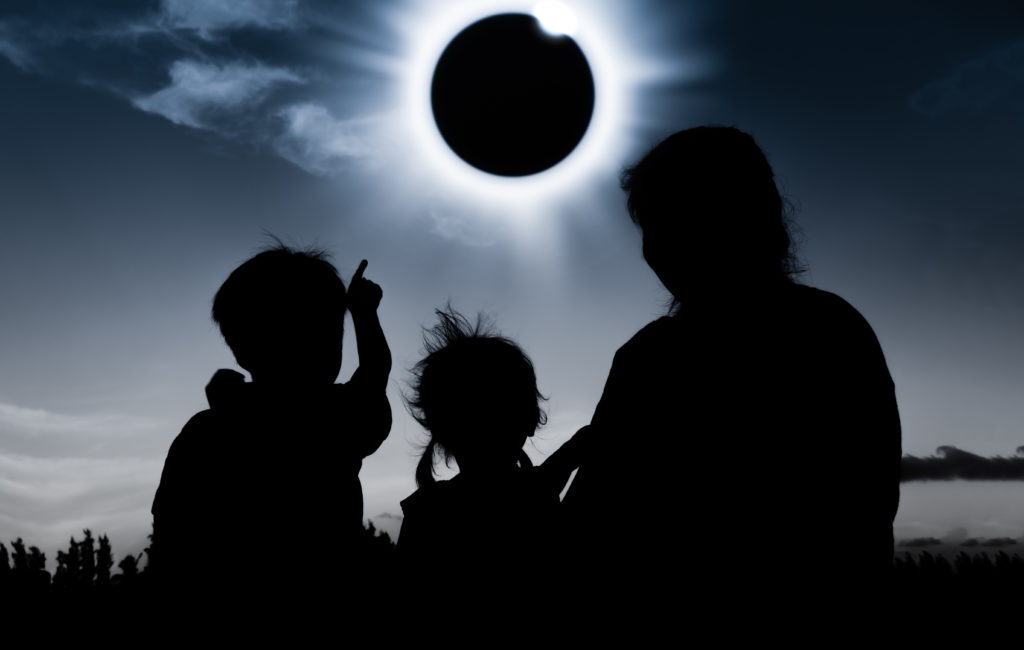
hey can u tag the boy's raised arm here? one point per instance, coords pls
(374, 354)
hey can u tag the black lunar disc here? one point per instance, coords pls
(511, 99)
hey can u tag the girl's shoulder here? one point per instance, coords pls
(467, 493)
(437, 496)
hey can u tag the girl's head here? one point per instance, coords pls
(710, 212)
(475, 392)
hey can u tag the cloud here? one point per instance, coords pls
(53, 38)
(60, 473)
(951, 463)
(318, 142)
(42, 433)
(47, 499)
(994, 79)
(200, 91)
(24, 421)
(463, 229)
(11, 48)
(207, 17)
(217, 82)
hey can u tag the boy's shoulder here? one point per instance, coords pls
(203, 431)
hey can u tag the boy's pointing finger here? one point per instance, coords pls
(359, 272)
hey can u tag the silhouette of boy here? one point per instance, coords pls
(272, 466)
(759, 418)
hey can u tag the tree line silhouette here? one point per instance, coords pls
(86, 565)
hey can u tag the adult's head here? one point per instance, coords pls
(282, 314)
(711, 214)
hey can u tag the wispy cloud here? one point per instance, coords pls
(207, 17)
(62, 472)
(318, 142)
(45, 434)
(30, 484)
(995, 78)
(45, 500)
(200, 91)
(11, 48)
(180, 59)
(466, 230)
(20, 420)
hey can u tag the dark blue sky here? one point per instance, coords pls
(145, 149)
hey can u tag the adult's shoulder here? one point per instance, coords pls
(805, 294)
(827, 308)
(652, 333)
(838, 332)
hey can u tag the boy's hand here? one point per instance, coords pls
(363, 295)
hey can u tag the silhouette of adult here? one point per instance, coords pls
(748, 442)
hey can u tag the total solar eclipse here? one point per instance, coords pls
(511, 99)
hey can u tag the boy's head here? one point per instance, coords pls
(282, 314)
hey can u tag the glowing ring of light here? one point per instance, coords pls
(596, 149)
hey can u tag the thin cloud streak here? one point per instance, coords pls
(23, 421)
(321, 144)
(463, 229)
(199, 91)
(982, 83)
(207, 17)
(12, 49)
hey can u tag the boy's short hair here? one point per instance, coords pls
(274, 296)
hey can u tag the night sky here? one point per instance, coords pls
(146, 149)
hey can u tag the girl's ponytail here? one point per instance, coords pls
(524, 460)
(425, 468)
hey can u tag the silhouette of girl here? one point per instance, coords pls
(759, 417)
(476, 394)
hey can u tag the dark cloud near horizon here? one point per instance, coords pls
(995, 542)
(973, 542)
(920, 542)
(950, 463)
